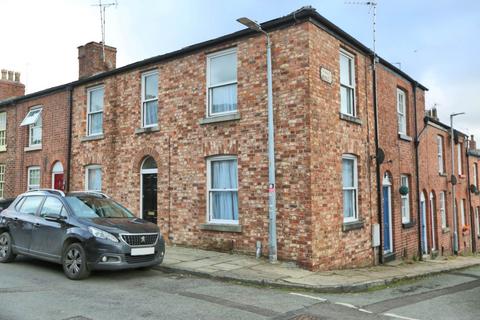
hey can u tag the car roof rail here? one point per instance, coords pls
(92, 192)
(52, 191)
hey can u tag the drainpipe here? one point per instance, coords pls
(377, 165)
(417, 171)
(69, 142)
(471, 213)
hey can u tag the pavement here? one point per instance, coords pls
(248, 269)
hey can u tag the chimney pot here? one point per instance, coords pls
(10, 75)
(17, 76)
(4, 74)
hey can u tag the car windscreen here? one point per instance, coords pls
(95, 207)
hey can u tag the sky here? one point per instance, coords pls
(436, 42)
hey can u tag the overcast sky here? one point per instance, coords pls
(435, 41)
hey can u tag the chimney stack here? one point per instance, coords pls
(473, 144)
(432, 113)
(91, 60)
(10, 85)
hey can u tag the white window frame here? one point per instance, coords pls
(32, 119)
(145, 101)
(477, 219)
(2, 180)
(475, 174)
(459, 159)
(405, 199)
(89, 91)
(32, 116)
(402, 115)
(93, 167)
(462, 211)
(441, 163)
(3, 131)
(209, 86)
(210, 218)
(354, 188)
(443, 213)
(34, 186)
(351, 59)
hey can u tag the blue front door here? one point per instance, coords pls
(387, 247)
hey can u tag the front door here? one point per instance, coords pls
(423, 216)
(58, 181)
(387, 219)
(149, 197)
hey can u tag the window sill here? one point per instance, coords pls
(445, 230)
(404, 137)
(353, 225)
(221, 227)
(348, 118)
(408, 225)
(91, 138)
(147, 129)
(3, 149)
(442, 174)
(223, 118)
(33, 148)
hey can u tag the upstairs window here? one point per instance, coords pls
(402, 112)
(150, 99)
(3, 131)
(33, 120)
(222, 188)
(95, 111)
(460, 158)
(93, 178)
(222, 82)
(405, 200)
(33, 178)
(441, 162)
(350, 188)
(347, 84)
(475, 175)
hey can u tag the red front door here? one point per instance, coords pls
(58, 181)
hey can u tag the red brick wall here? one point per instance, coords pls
(90, 59)
(399, 154)
(8, 157)
(10, 89)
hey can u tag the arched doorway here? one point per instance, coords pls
(58, 181)
(432, 223)
(148, 189)
(387, 214)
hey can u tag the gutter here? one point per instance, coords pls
(69, 142)
(417, 171)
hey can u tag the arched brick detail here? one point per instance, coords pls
(142, 154)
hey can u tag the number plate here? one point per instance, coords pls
(142, 251)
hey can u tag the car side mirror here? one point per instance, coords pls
(53, 217)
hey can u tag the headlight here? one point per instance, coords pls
(102, 234)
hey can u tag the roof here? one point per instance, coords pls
(428, 119)
(301, 15)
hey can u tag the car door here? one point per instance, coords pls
(22, 220)
(47, 235)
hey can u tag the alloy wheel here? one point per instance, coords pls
(4, 246)
(73, 261)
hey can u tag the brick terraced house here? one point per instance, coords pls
(181, 140)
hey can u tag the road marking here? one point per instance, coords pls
(363, 310)
(308, 296)
(392, 315)
(348, 305)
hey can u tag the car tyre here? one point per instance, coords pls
(74, 262)
(6, 251)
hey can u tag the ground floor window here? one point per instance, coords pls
(443, 214)
(405, 200)
(33, 178)
(93, 178)
(478, 220)
(350, 187)
(2, 180)
(222, 185)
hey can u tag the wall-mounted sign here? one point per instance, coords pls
(326, 75)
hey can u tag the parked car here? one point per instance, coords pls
(5, 203)
(83, 231)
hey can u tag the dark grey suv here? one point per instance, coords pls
(83, 231)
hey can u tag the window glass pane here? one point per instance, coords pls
(223, 99)
(150, 112)
(94, 179)
(151, 86)
(31, 204)
(224, 174)
(3, 120)
(348, 173)
(349, 203)
(35, 135)
(51, 206)
(95, 123)
(345, 70)
(34, 177)
(225, 205)
(149, 163)
(223, 69)
(96, 100)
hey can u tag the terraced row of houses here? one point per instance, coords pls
(363, 170)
